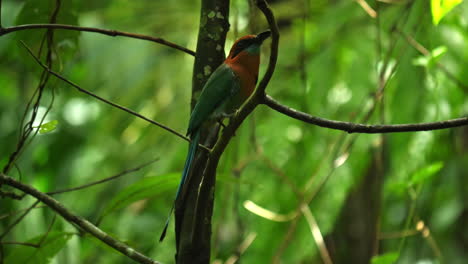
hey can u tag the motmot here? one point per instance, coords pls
(230, 85)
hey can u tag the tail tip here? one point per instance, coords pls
(163, 234)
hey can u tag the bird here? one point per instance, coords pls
(228, 87)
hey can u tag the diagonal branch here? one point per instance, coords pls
(424, 51)
(80, 222)
(361, 128)
(18, 220)
(112, 33)
(118, 175)
(76, 86)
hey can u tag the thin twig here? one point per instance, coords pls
(367, 8)
(341, 151)
(120, 174)
(362, 128)
(316, 234)
(44, 237)
(107, 101)
(19, 219)
(419, 47)
(80, 222)
(19, 243)
(35, 100)
(112, 33)
(19, 211)
(11, 195)
(397, 234)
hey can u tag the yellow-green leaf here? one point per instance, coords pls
(431, 59)
(48, 127)
(441, 7)
(426, 173)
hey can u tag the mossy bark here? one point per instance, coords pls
(193, 211)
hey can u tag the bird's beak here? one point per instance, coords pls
(262, 36)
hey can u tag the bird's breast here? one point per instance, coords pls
(247, 72)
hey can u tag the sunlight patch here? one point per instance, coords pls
(78, 111)
(339, 94)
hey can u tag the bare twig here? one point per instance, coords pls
(367, 8)
(107, 101)
(316, 234)
(120, 174)
(35, 100)
(362, 128)
(44, 237)
(11, 195)
(19, 219)
(419, 47)
(19, 243)
(112, 33)
(80, 222)
(19, 211)
(397, 234)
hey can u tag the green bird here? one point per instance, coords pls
(230, 85)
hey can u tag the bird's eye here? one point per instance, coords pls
(240, 46)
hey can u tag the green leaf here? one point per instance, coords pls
(48, 127)
(421, 61)
(438, 52)
(387, 258)
(398, 187)
(53, 243)
(425, 173)
(431, 59)
(142, 189)
(441, 7)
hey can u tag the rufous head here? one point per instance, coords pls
(250, 44)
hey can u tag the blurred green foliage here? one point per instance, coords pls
(334, 58)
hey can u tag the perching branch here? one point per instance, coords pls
(259, 93)
(207, 187)
(193, 212)
(112, 33)
(80, 222)
(362, 128)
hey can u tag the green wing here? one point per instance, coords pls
(217, 92)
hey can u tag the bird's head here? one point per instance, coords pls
(249, 44)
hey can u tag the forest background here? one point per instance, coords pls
(287, 191)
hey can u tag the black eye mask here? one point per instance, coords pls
(241, 45)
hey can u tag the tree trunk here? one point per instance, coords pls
(194, 210)
(355, 238)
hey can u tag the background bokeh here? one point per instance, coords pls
(335, 61)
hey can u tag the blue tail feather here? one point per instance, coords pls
(188, 163)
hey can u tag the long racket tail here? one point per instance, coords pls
(188, 163)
